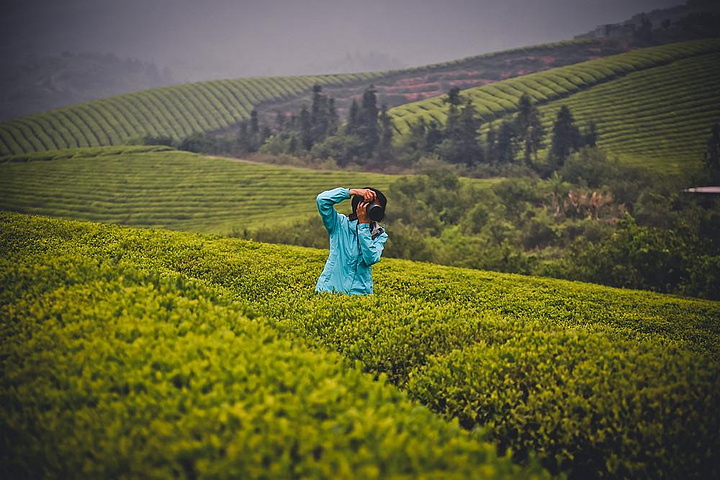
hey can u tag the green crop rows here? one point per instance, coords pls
(179, 111)
(156, 187)
(176, 111)
(653, 103)
(661, 115)
(113, 369)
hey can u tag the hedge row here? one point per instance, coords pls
(112, 370)
(597, 381)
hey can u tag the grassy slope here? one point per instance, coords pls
(167, 189)
(111, 369)
(659, 117)
(596, 379)
(654, 106)
(180, 110)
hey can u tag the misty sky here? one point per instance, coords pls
(204, 39)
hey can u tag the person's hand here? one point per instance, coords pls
(367, 194)
(362, 214)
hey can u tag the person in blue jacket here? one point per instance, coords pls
(356, 242)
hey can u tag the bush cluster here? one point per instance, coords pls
(593, 380)
(112, 370)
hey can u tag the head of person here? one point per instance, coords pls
(379, 199)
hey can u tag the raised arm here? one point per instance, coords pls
(371, 250)
(326, 206)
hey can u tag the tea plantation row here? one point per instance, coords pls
(165, 188)
(654, 103)
(175, 111)
(597, 381)
(112, 369)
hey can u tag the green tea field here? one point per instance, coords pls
(179, 111)
(164, 188)
(653, 106)
(133, 352)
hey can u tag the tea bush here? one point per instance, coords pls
(598, 381)
(110, 370)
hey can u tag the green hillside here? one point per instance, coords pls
(178, 111)
(175, 111)
(654, 105)
(163, 188)
(597, 381)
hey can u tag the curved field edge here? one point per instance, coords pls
(178, 111)
(598, 381)
(111, 370)
(164, 188)
(653, 104)
(555, 83)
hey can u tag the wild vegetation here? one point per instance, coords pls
(596, 381)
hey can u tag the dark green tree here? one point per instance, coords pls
(368, 128)
(416, 138)
(566, 137)
(528, 128)
(453, 99)
(306, 138)
(506, 142)
(434, 136)
(590, 136)
(333, 119)
(353, 121)
(462, 146)
(385, 154)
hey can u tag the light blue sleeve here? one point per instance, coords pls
(371, 250)
(326, 206)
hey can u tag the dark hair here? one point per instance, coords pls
(380, 199)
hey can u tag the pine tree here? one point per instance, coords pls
(434, 136)
(319, 121)
(353, 118)
(712, 154)
(386, 128)
(368, 129)
(529, 129)
(590, 136)
(506, 143)
(566, 137)
(469, 151)
(333, 120)
(452, 124)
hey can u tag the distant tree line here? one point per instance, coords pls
(366, 137)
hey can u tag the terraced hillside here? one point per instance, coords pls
(655, 105)
(163, 188)
(599, 382)
(179, 111)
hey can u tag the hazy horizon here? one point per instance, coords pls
(223, 38)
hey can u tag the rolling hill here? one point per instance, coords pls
(654, 105)
(132, 351)
(163, 188)
(179, 111)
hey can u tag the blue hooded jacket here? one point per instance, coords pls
(352, 248)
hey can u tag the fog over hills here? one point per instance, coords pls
(201, 40)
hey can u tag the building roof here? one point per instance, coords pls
(702, 190)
